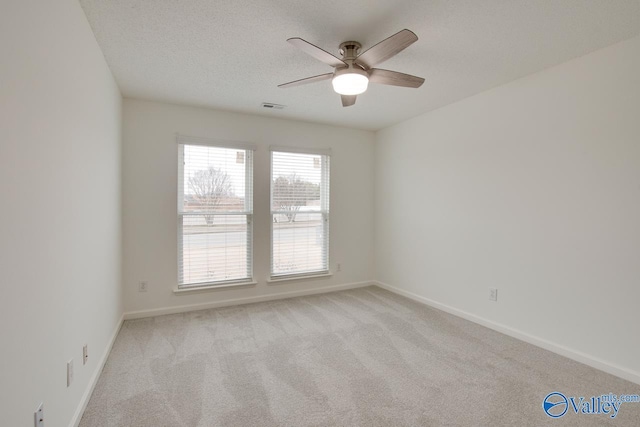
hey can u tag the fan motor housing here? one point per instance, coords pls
(350, 70)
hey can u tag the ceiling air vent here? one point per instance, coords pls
(271, 106)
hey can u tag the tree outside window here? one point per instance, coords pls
(291, 192)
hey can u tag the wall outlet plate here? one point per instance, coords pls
(38, 416)
(143, 285)
(493, 294)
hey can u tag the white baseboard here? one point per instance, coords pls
(578, 356)
(96, 375)
(246, 300)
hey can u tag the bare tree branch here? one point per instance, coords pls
(209, 188)
(291, 192)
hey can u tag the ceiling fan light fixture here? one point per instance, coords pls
(352, 73)
(350, 81)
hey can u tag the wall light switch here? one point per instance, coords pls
(38, 416)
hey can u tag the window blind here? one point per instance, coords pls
(300, 213)
(215, 213)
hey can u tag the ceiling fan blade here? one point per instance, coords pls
(394, 78)
(348, 100)
(316, 52)
(386, 49)
(307, 80)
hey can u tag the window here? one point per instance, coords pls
(214, 214)
(299, 213)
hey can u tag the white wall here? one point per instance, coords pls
(534, 188)
(60, 244)
(149, 202)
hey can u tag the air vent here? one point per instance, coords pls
(272, 106)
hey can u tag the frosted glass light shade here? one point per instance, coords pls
(350, 83)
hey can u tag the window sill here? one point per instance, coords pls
(301, 277)
(212, 287)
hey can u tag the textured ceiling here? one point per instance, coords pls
(232, 54)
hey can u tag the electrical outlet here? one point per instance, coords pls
(38, 416)
(69, 372)
(85, 354)
(142, 286)
(493, 294)
(338, 267)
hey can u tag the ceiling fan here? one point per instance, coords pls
(354, 71)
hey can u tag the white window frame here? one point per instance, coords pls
(325, 156)
(249, 149)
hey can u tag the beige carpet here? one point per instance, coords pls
(364, 357)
